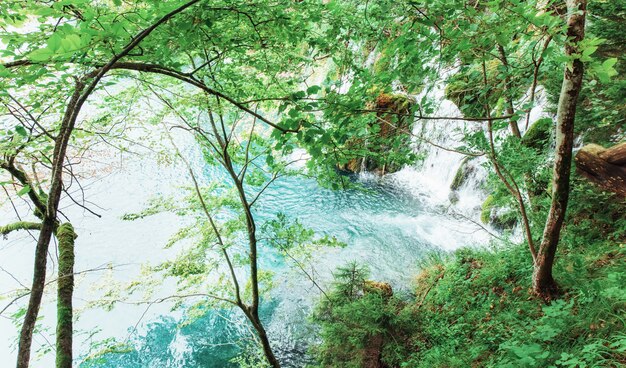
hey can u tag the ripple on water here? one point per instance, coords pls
(384, 225)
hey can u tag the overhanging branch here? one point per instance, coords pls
(20, 225)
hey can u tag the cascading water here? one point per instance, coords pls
(436, 140)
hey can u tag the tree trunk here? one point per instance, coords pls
(543, 282)
(36, 293)
(605, 168)
(509, 94)
(47, 228)
(253, 317)
(267, 348)
(66, 236)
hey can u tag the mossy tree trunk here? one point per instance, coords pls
(66, 236)
(543, 281)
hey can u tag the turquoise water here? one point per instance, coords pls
(384, 225)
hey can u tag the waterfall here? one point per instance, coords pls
(437, 141)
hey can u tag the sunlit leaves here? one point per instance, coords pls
(604, 71)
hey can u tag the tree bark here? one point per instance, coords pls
(251, 311)
(267, 348)
(265, 342)
(47, 228)
(509, 94)
(36, 293)
(66, 236)
(543, 281)
(605, 168)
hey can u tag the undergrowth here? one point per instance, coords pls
(475, 308)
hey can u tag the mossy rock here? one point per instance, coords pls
(485, 212)
(538, 134)
(464, 90)
(499, 218)
(460, 91)
(462, 174)
(352, 166)
(502, 220)
(387, 148)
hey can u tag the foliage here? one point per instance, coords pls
(475, 308)
(250, 66)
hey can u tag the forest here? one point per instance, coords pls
(312, 183)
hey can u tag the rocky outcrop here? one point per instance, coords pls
(462, 174)
(485, 211)
(389, 139)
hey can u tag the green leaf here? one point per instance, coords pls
(54, 42)
(24, 190)
(606, 71)
(4, 71)
(313, 90)
(21, 131)
(42, 54)
(70, 43)
(293, 113)
(609, 63)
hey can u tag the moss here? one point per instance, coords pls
(66, 236)
(20, 225)
(504, 219)
(354, 165)
(462, 174)
(381, 65)
(383, 288)
(485, 213)
(538, 134)
(387, 147)
(463, 89)
(459, 178)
